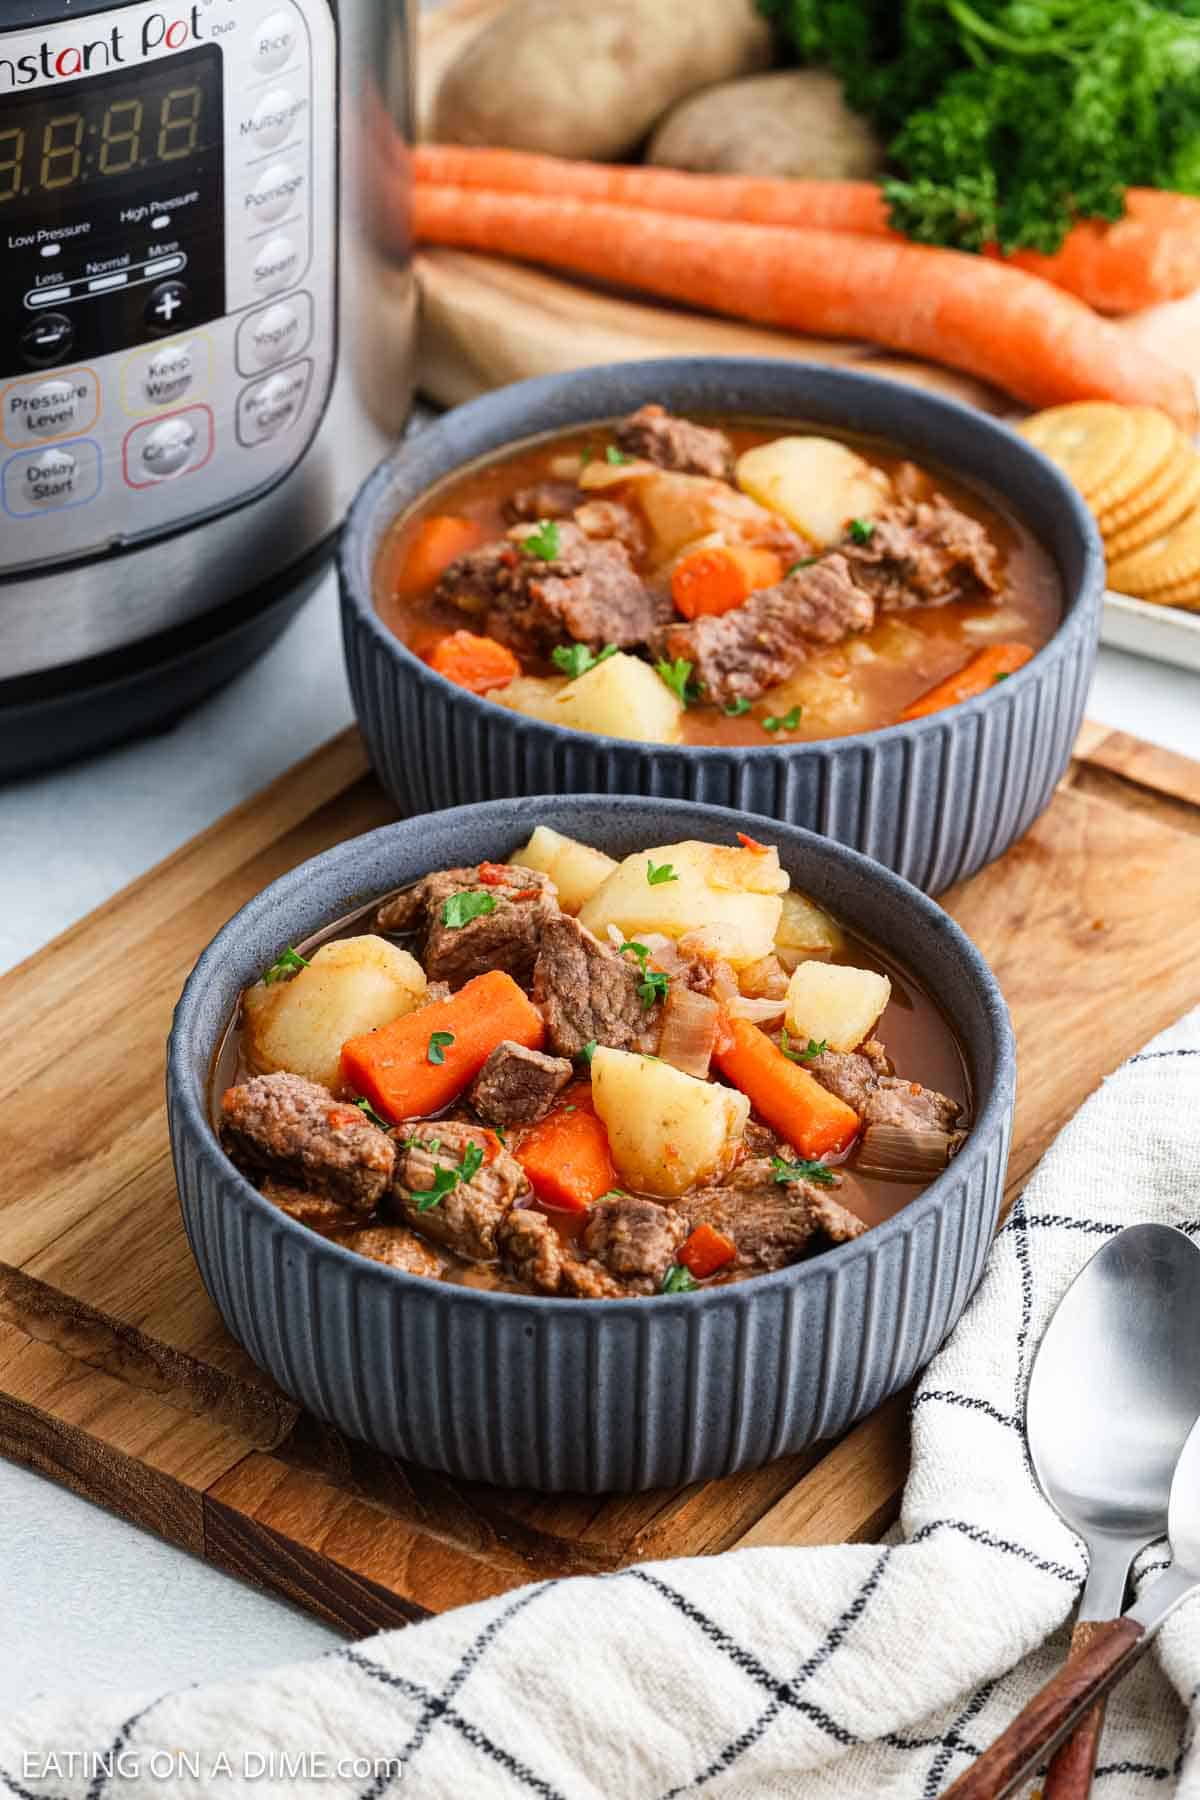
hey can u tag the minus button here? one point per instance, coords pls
(104, 282)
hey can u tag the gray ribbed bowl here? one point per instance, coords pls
(607, 1395)
(934, 799)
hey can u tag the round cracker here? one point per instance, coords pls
(1170, 509)
(1115, 518)
(1185, 595)
(1089, 440)
(1156, 439)
(1167, 561)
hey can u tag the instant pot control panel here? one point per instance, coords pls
(168, 265)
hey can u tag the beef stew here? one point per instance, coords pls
(571, 1076)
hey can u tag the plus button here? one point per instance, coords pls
(169, 304)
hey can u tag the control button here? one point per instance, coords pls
(274, 41)
(166, 449)
(275, 334)
(46, 481)
(272, 407)
(169, 306)
(272, 119)
(276, 265)
(169, 373)
(49, 408)
(47, 339)
(273, 193)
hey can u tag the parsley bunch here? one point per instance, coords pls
(1006, 120)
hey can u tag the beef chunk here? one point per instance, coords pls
(506, 938)
(835, 1221)
(585, 990)
(317, 1211)
(588, 593)
(923, 553)
(534, 1253)
(612, 519)
(396, 1246)
(297, 1132)
(740, 654)
(517, 1086)
(543, 500)
(771, 1222)
(466, 1215)
(655, 434)
(635, 1239)
(863, 1079)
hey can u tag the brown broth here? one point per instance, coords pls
(912, 1028)
(857, 686)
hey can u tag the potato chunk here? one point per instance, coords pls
(732, 897)
(835, 1005)
(804, 928)
(532, 695)
(352, 985)
(815, 483)
(576, 869)
(667, 1131)
(620, 697)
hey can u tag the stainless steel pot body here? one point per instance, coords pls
(236, 317)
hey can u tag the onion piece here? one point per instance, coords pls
(905, 1152)
(689, 1031)
(757, 1011)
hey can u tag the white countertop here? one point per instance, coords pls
(67, 841)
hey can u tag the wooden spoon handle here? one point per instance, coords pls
(1070, 1774)
(1051, 1713)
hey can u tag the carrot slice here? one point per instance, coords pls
(435, 544)
(718, 579)
(475, 663)
(706, 1251)
(792, 1101)
(1018, 332)
(986, 667)
(423, 1060)
(1150, 255)
(566, 1156)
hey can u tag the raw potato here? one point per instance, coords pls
(732, 896)
(571, 78)
(621, 697)
(575, 869)
(815, 483)
(667, 1131)
(794, 122)
(835, 1005)
(351, 985)
(804, 927)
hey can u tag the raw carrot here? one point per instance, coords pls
(566, 1156)
(436, 543)
(1032, 339)
(985, 667)
(706, 1251)
(1151, 255)
(717, 580)
(476, 663)
(421, 1061)
(789, 1098)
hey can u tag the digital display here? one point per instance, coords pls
(101, 180)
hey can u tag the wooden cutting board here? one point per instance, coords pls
(485, 322)
(118, 1379)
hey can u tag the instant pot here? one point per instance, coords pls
(206, 322)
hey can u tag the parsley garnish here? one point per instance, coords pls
(659, 873)
(806, 562)
(616, 457)
(576, 659)
(438, 1044)
(368, 1112)
(736, 708)
(472, 1161)
(588, 1051)
(445, 1180)
(677, 676)
(803, 1056)
(585, 457)
(284, 965)
(460, 909)
(789, 721)
(803, 1170)
(1001, 677)
(654, 985)
(861, 530)
(679, 1280)
(542, 543)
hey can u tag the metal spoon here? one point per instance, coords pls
(1113, 1394)
(1085, 1679)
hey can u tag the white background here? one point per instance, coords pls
(86, 1599)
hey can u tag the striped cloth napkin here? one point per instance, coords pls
(854, 1671)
